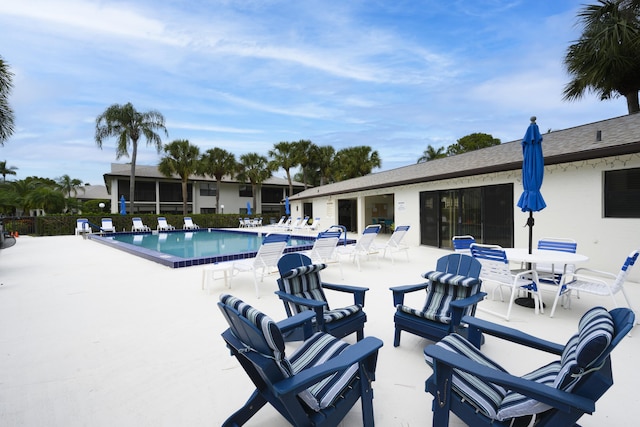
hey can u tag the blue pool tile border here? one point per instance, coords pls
(173, 261)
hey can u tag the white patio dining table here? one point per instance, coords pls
(542, 256)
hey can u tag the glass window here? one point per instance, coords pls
(207, 189)
(172, 192)
(622, 193)
(245, 191)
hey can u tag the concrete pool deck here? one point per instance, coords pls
(93, 336)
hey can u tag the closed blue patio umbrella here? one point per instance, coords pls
(532, 174)
(123, 206)
(248, 208)
(287, 210)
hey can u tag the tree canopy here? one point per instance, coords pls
(605, 59)
(6, 113)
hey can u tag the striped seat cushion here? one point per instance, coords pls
(316, 350)
(341, 313)
(580, 355)
(442, 293)
(485, 397)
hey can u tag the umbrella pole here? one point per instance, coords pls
(530, 223)
(528, 301)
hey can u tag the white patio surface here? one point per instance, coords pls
(93, 336)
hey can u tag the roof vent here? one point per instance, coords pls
(598, 135)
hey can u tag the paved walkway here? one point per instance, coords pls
(92, 336)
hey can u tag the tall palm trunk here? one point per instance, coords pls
(633, 106)
(185, 197)
(132, 177)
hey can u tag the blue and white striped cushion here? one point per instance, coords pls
(318, 349)
(304, 282)
(595, 332)
(451, 279)
(439, 298)
(485, 397)
(340, 313)
(517, 405)
(270, 331)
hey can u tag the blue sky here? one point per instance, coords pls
(396, 75)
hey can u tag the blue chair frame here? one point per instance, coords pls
(338, 328)
(253, 350)
(454, 264)
(567, 407)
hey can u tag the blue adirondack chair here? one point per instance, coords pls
(317, 385)
(481, 393)
(301, 289)
(453, 290)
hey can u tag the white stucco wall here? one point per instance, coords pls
(574, 196)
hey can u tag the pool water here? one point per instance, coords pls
(186, 248)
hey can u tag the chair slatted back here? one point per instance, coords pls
(456, 277)
(326, 244)
(556, 244)
(624, 271)
(397, 236)
(368, 236)
(495, 265)
(462, 243)
(272, 248)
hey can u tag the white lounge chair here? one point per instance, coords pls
(279, 223)
(189, 225)
(266, 259)
(302, 224)
(325, 248)
(163, 225)
(394, 244)
(138, 225)
(364, 247)
(82, 226)
(107, 226)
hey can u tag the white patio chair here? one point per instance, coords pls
(462, 244)
(555, 274)
(495, 269)
(138, 225)
(364, 247)
(598, 282)
(266, 259)
(189, 225)
(163, 225)
(394, 244)
(107, 226)
(325, 248)
(82, 226)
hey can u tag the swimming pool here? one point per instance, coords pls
(182, 248)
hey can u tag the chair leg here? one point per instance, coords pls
(396, 338)
(244, 414)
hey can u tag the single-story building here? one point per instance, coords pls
(591, 187)
(155, 193)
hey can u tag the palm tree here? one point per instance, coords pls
(431, 154)
(303, 150)
(69, 185)
(606, 58)
(182, 159)
(324, 157)
(217, 163)
(284, 156)
(6, 113)
(253, 168)
(7, 170)
(128, 125)
(353, 162)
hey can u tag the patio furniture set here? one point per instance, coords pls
(324, 377)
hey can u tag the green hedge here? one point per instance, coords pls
(53, 225)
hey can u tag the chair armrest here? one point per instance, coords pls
(355, 353)
(293, 322)
(357, 291)
(482, 326)
(311, 303)
(458, 306)
(562, 400)
(580, 272)
(399, 291)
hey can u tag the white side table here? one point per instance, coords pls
(209, 274)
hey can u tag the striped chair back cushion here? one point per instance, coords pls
(304, 282)
(445, 288)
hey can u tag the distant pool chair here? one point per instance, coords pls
(462, 244)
